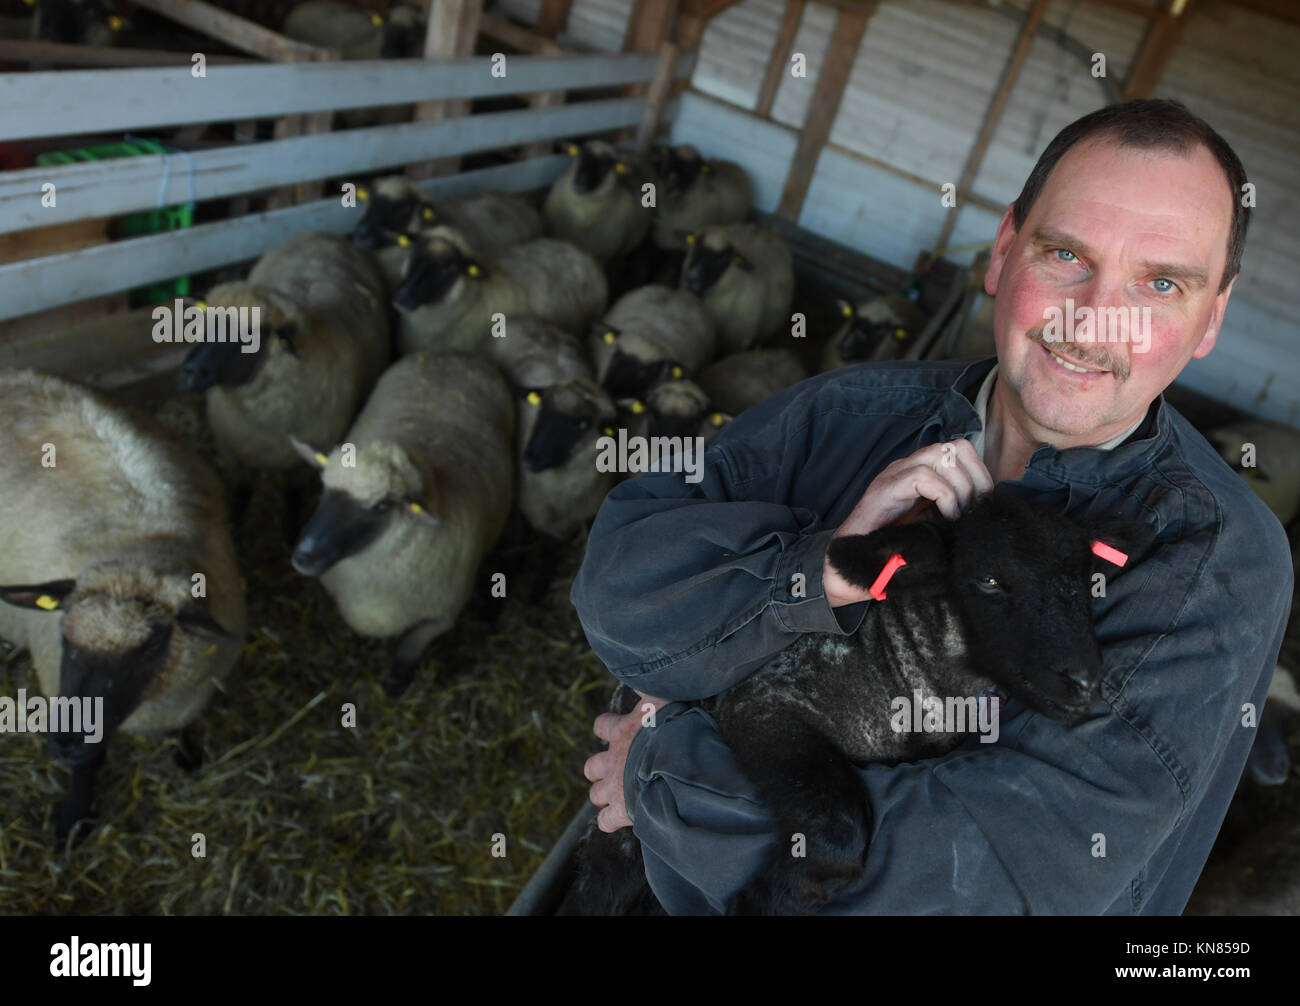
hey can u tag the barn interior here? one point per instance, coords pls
(151, 150)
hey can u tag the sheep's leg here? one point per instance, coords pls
(406, 657)
(825, 818)
(76, 803)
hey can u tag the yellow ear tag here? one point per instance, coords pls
(376, 20)
(677, 373)
(202, 305)
(900, 333)
(416, 508)
(427, 213)
(473, 270)
(620, 167)
(609, 431)
(403, 241)
(363, 193)
(46, 602)
(115, 23)
(210, 651)
(716, 419)
(610, 338)
(533, 398)
(573, 150)
(690, 239)
(322, 459)
(30, 3)
(846, 310)
(637, 408)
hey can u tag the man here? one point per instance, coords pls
(687, 589)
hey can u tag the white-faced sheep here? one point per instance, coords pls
(117, 568)
(744, 275)
(879, 329)
(451, 297)
(651, 334)
(397, 209)
(414, 498)
(695, 193)
(596, 203)
(737, 382)
(1273, 466)
(323, 341)
(998, 598)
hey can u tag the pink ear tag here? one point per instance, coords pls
(1109, 554)
(877, 589)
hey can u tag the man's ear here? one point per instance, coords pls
(923, 546)
(1006, 237)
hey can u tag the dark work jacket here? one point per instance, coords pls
(687, 588)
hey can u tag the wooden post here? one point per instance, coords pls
(778, 64)
(553, 16)
(533, 42)
(654, 110)
(850, 25)
(1009, 76)
(452, 28)
(1154, 53)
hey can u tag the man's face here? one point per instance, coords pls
(1114, 227)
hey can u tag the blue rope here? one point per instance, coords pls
(167, 168)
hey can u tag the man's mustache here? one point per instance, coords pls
(1089, 354)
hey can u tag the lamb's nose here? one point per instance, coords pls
(1081, 681)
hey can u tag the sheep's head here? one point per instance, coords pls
(119, 630)
(677, 408)
(404, 32)
(679, 167)
(1019, 578)
(866, 326)
(597, 168)
(366, 489)
(440, 267)
(634, 363)
(709, 256)
(234, 357)
(1265, 455)
(88, 22)
(395, 207)
(562, 418)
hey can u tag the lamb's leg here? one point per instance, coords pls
(76, 803)
(611, 877)
(406, 658)
(814, 792)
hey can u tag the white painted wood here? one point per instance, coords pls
(38, 284)
(57, 103)
(127, 184)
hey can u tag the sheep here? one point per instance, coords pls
(744, 275)
(397, 208)
(1274, 471)
(413, 499)
(449, 294)
(737, 382)
(674, 408)
(879, 329)
(1270, 761)
(999, 598)
(111, 521)
(356, 33)
(84, 22)
(695, 193)
(323, 343)
(596, 203)
(651, 333)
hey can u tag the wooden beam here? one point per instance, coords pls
(1135, 8)
(98, 55)
(659, 87)
(516, 37)
(778, 64)
(850, 25)
(994, 114)
(553, 16)
(234, 31)
(452, 28)
(649, 24)
(1283, 10)
(705, 9)
(1153, 55)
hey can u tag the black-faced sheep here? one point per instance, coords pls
(695, 193)
(323, 343)
(397, 209)
(1274, 472)
(109, 522)
(451, 297)
(596, 203)
(879, 329)
(414, 498)
(737, 382)
(674, 408)
(77, 22)
(651, 334)
(997, 598)
(744, 275)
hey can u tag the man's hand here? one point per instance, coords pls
(951, 475)
(605, 770)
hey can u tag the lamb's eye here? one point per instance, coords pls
(990, 584)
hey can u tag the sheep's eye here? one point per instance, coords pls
(385, 505)
(989, 584)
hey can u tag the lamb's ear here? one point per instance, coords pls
(923, 546)
(195, 620)
(317, 459)
(45, 596)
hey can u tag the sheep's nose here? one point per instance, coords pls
(1082, 682)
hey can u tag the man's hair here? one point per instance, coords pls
(1149, 124)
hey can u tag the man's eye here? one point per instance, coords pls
(1170, 286)
(1062, 252)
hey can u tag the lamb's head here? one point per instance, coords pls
(636, 362)
(236, 357)
(710, 256)
(598, 167)
(441, 271)
(365, 490)
(395, 207)
(123, 622)
(557, 421)
(1019, 577)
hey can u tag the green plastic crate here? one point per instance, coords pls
(168, 218)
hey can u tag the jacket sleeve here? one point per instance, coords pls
(1049, 819)
(688, 587)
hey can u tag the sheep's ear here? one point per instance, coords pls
(532, 396)
(846, 309)
(607, 334)
(317, 459)
(632, 405)
(473, 268)
(195, 620)
(923, 546)
(421, 513)
(44, 596)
